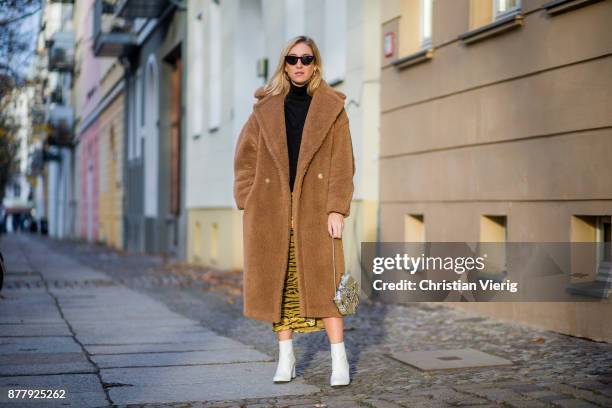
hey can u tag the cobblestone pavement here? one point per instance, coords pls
(549, 369)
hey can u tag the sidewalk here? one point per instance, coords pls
(71, 327)
(122, 329)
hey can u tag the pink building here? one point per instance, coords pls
(89, 192)
(87, 96)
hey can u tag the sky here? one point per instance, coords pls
(28, 29)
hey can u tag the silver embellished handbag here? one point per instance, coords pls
(347, 294)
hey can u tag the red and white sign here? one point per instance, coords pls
(389, 44)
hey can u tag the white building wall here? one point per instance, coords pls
(254, 29)
(213, 131)
(52, 193)
(18, 188)
(56, 206)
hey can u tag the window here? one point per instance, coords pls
(103, 169)
(415, 26)
(130, 130)
(414, 235)
(214, 81)
(414, 228)
(149, 135)
(113, 147)
(502, 8)
(602, 226)
(483, 12)
(426, 18)
(493, 236)
(588, 259)
(138, 113)
(214, 243)
(591, 269)
(197, 241)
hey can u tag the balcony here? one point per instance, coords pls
(113, 35)
(60, 125)
(141, 8)
(61, 51)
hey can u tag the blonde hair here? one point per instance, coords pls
(279, 82)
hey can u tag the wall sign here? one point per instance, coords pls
(389, 44)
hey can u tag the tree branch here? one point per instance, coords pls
(21, 17)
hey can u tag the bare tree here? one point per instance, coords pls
(16, 50)
(8, 151)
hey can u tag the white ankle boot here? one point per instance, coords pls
(340, 365)
(285, 370)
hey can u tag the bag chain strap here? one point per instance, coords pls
(334, 263)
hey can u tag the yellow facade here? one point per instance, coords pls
(214, 237)
(111, 181)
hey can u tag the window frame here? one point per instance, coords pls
(497, 15)
(426, 41)
(600, 239)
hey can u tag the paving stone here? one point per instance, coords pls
(80, 400)
(40, 368)
(181, 358)
(381, 403)
(526, 388)
(120, 338)
(574, 403)
(38, 345)
(586, 395)
(554, 397)
(541, 394)
(294, 401)
(28, 330)
(82, 390)
(214, 344)
(497, 394)
(206, 383)
(525, 404)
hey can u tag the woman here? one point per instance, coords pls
(293, 177)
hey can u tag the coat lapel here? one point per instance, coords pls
(270, 113)
(271, 118)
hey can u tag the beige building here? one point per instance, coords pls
(496, 123)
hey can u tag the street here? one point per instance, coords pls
(112, 328)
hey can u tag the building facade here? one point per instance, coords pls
(154, 215)
(55, 177)
(98, 95)
(495, 127)
(234, 48)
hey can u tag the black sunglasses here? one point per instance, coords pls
(293, 59)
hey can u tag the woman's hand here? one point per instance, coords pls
(335, 224)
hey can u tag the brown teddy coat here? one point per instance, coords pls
(323, 184)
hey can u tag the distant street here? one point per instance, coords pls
(115, 329)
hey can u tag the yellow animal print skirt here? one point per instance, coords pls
(290, 308)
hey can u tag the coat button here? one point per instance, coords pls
(267, 180)
(320, 175)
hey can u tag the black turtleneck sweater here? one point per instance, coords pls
(297, 103)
